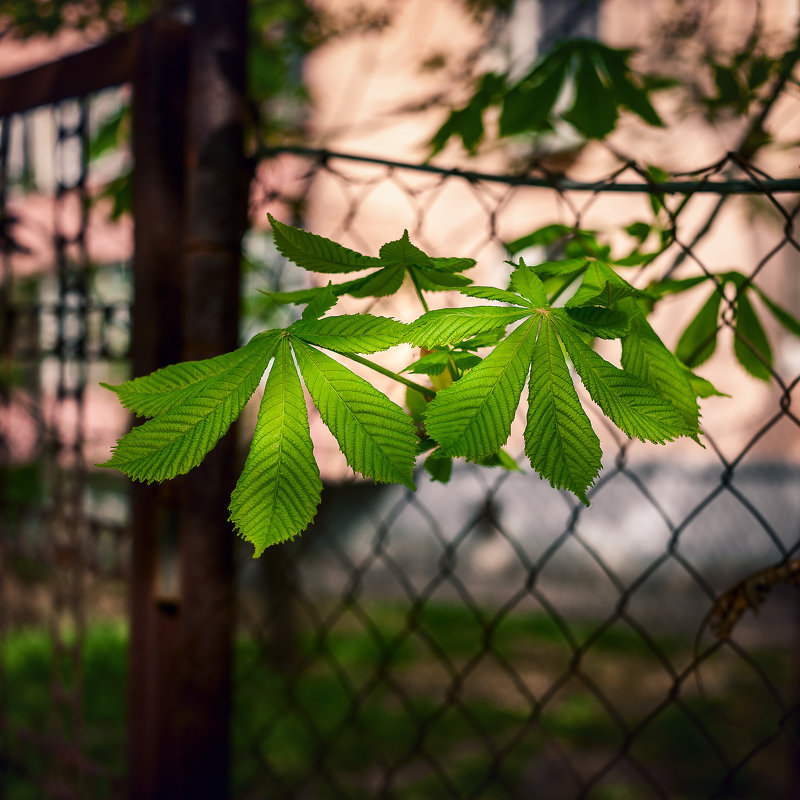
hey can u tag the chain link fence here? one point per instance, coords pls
(489, 638)
(493, 637)
(65, 320)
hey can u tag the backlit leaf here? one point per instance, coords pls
(375, 435)
(402, 253)
(381, 283)
(699, 341)
(351, 333)
(279, 489)
(633, 406)
(565, 266)
(473, 417)
(299, 295)
(452, 264)
(605, 323)
(702, 387)
(168, 388)
(433, 363)
(176, 441)
(451, 325)
(559, 439)
(313, 252)
(320, 303)
(500, 458)
(546, 235)
(647, 357)
(438, 280)
(750, 343)
(660, 288)
(492, 293)
(526, 282)
(601, 286)
(439, 466)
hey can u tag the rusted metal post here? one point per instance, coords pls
(190, 205)
(216, 205)
(190, 198)
(158, 200)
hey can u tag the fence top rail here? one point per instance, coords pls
(753, 185)
(111, 63)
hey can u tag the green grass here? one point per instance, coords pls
(359, 703)
(327, 725)
(30, 671)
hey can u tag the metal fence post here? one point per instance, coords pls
(217, 184)
(190, 210)
(158, 200)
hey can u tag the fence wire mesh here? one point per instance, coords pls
(62, 549)
(494, 638)
(491, 638)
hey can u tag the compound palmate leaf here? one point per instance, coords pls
(169, 387)
(310, 251)
(191, 405)
(647, 357)
(375, 435)
(276, 497)
(396, 260)
(473, 417)
(351, 333)
(177, 440)
(425, 272)
(559, 439)
(450, 325)
(279, 489)
(637, 409)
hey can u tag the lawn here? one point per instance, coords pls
(456, 704)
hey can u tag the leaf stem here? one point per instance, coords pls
(451, 365)
(424, 390)
(418, 290)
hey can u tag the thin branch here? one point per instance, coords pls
(418, 291)
(757, 123)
